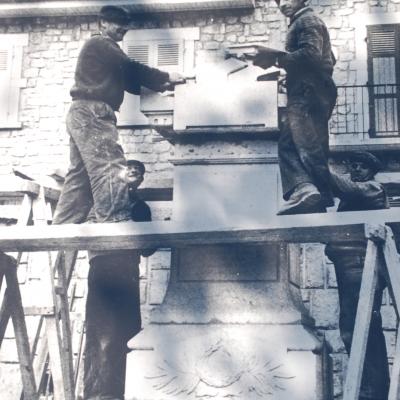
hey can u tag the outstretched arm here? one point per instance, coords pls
(370, 191)
(310, 47)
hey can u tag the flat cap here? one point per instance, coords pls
(136, 163)
(114, 14)
(367, 158)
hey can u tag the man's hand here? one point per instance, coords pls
(267, 57)
(263, 61)
(174, 79)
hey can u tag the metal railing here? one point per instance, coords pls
(370, 111)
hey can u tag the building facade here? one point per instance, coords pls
(39, 45)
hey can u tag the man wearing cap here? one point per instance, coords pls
(113, 305)
(96, 175)
(303, 144)
(360, 192)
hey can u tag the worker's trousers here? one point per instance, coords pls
(97, 171)
(303, 146)
(112, 318)
(375, 378)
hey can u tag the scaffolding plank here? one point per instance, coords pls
(124, 235)
(14, 186)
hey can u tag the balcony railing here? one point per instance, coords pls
(369, 111)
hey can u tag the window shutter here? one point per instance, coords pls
(382, 54)
(394, 201)
(5, 84)
(382, 42)
(164, 54)
(4, 60)
(129, 113)
(11, 52)
(139, 52)
(170, 56)
(383, 70)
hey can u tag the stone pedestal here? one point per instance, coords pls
(226, 361)
(232, 323)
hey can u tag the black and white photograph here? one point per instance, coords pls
(199, 199)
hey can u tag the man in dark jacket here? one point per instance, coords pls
(360, 192)
(303, 145)
(113, 305)
(96, 173)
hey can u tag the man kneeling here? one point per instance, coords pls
(360, 192)
(113, 306)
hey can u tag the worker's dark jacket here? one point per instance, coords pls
(104, 72)
(310, 60)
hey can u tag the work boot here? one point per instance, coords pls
(305, 199)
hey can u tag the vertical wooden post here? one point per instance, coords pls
(21, 333)
(392, 263)
(5, 311)
(394, 390)
(60, 354)
(363, 319)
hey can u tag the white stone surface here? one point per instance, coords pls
(238, 362)
(241, 193)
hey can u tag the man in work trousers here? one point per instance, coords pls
(113, 306)
(360, 192)
(304, 143)
(96, 175)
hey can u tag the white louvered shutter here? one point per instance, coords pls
(166, 55)
(129, 113)
(11, 52)
(139, 52)
(169, 56)
(5, 83)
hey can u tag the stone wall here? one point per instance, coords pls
(42, 145)
(50, 58)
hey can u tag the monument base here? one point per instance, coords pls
(217, 361)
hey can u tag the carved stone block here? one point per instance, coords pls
(220, 362)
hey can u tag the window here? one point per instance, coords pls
(11, 51)
(166, 49)
(383, 78)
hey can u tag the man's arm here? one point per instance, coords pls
(310, 46)
(135, 73)
(370, 191)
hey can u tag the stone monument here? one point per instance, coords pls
(232, 323)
